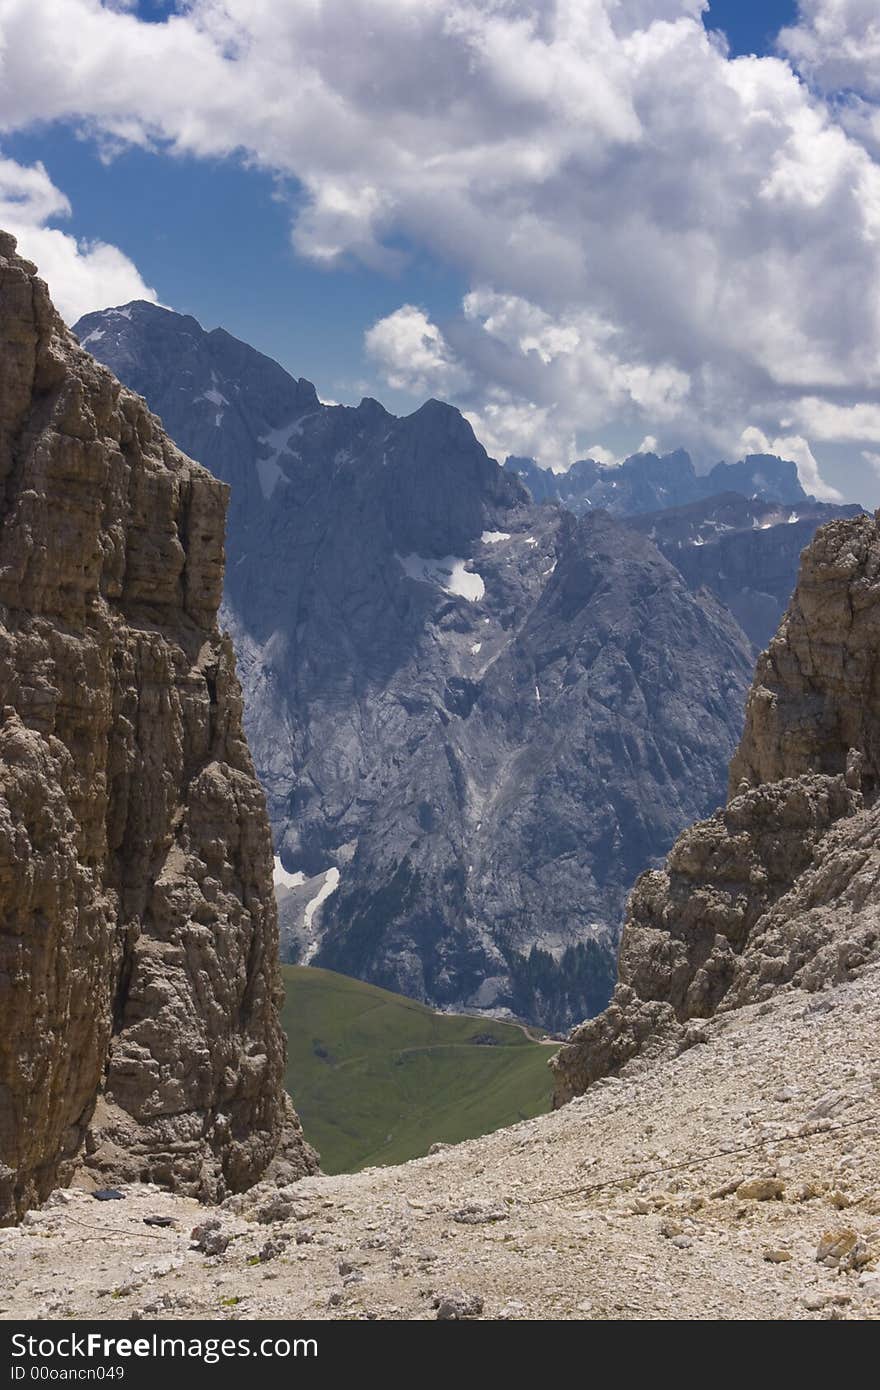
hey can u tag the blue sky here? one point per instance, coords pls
(213, 238)
(558, 327)
(751, 26)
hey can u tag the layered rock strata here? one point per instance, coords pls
(139, 986)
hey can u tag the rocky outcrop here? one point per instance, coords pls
(779, 889)
(139, 988)
(814, 705)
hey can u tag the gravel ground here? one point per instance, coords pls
(739, 1180)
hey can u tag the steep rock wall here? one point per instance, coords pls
(139, 989)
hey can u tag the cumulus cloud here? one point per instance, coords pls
(599, 454)
(655, 237)
(837, 44)
(413, 354)
(826, 420)
(508, 426)
(82, 275)
(532, 381)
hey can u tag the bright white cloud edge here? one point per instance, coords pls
(82, 276)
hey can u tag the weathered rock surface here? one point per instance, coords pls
(485, 718)
(139, 1032)
(780, 887)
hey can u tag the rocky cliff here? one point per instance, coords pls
(778, 889)
(138, 940)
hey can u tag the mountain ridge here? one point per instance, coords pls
(647, 482)
(410, 656)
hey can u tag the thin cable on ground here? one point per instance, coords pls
(699, 1159)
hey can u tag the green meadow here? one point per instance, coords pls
(378, 1078)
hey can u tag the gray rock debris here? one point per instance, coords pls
(457, 1306)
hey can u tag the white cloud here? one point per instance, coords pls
(599, 454)
(826, 420)
(872, 458)
(81, 275)
(837, 43)
(506, 426)
(653, 234)
(534, 380)
(413, 353)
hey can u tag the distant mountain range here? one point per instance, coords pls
(651, 482)
(477, 717)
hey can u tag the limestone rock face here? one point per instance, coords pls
(816, 693)
(139, 1032)
(780, 887)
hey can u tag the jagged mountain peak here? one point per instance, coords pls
(269, 435)
(476, 718)
(369, 406)
(647, 482)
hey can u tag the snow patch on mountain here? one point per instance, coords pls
(215, 398)
(270, 475)
(281, 878)
(329, 886)
(269, 471)
(449, 573)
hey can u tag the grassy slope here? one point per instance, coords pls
(377, 1078)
